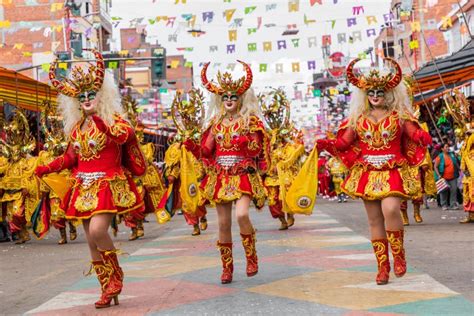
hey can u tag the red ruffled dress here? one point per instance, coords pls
(233, 158)
(383, 157)
(103, 160)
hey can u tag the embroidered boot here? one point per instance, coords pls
(133, 234)
(383, 264)
(248, 241)
(63, 240)
(416, 213)
(114, 284)
(403, 211)
(72, 231)
(140, 229)
(290, 218)
(284, 224)
(227, 261)
(395, 239)
(103, 275)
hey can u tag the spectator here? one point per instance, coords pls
(447, 167)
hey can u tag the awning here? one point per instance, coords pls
(25, 92)
(454, 69)
(432, 94)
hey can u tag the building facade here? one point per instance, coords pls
(34, 31)
(412, 37)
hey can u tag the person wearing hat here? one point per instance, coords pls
(103, 155)
(382, 145)
(234, 148)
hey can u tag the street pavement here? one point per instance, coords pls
(324, 265)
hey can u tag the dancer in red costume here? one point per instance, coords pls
(324, 178)
(234, 149)
(103, 154)
(382, 144)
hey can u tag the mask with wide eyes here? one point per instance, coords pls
(232, 97)
(376, 93)
(87, 95)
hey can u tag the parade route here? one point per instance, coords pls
(318, 267)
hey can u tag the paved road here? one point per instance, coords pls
(323, 265)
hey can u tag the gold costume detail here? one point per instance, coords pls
(377, 183)
(87, 199)
(380, 252)
(353, 180)
(411, 180)
(90, 143)
(377, 136)
(121, 193)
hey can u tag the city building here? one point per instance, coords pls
(36, 32)
(412, 36)
(461, 29)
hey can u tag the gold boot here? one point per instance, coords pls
(63, 240)
(284, 224)
(290, 219)
(196, 230)
(468, 219)
(416, 213)
(133, 235)
(203, 222)
(140, 229)
(406, 222)
(72, 231)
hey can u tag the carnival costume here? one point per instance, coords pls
(149, 185)
(234, 155)
(462, 112)
(338, 173)
(103, 156)
(54, 146)
(286, 151)
(324, 177)
(181, 166)
(383, 159)
(20, 189)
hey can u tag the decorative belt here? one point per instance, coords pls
(87, 178)
(378, 160)
(229, 161)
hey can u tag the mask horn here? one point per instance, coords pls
(207, 84)
(62, 87)
(351, 77)
(248, 78)
(396, 77)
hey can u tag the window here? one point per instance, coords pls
(76, 44)
(388, 49)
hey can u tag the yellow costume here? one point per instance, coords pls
(338, 172)
(20, 186)
(467, 165)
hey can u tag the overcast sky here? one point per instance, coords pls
(217, 31)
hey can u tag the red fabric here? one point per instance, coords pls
(276, 210)
(324, 177)
(193, 219)
(249, 143)
(351, 148)
(18, 221)
(60, 223)
(108, 161)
